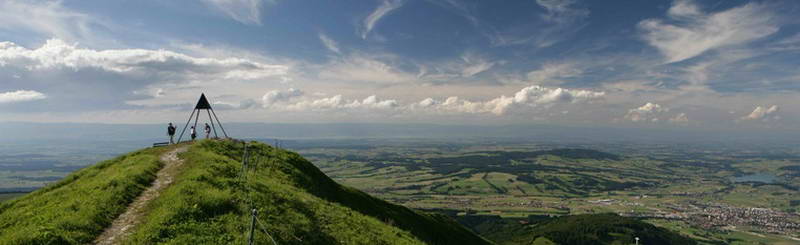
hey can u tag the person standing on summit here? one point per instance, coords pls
(207, 129)
(193, 133)
(171, 133)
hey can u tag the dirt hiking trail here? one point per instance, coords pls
(121, 227)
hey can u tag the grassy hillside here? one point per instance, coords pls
(77, 209)
(296, 202)
(210, 200)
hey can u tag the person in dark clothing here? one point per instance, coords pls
(193, 133)
(171, 133)
(207, 129)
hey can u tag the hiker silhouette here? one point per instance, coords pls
(171, 133)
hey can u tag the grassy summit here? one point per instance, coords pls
(210, 202)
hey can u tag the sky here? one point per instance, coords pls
(642, 64)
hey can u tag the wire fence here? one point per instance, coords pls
(251, 162)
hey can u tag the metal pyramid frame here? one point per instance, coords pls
(203, 104)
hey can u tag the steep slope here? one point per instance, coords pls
(76, 209)
(210, 202)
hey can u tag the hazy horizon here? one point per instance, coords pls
(18, 131)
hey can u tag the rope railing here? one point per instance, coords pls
(249, 164)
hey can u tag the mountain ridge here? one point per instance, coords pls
(210, 202)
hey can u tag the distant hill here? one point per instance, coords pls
(210, 199)
(585, 229)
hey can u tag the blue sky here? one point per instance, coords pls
(695, 64)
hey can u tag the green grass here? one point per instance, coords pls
(76, 209)
(298, 204)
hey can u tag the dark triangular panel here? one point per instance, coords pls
(203, 103)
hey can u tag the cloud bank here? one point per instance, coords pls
(533, 96)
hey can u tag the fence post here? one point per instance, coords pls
(252, 226)
(244, 161)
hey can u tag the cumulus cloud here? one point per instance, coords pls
(655, 113)
(386, 7)
(649, 112)
(693, 32)
(329, 43)
(244, 11)
(20, 96)
(337, 102)
(532, 96)
(276, 96)
(763, 114)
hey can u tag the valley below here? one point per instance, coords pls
(714, 193)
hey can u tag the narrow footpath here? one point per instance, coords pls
(121, 227)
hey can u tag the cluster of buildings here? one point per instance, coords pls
(721, 215)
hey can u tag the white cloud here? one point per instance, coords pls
(244, 11)
(337, 102)
(57, 54)
(649, 112)
(696, 32)
(553, 73)
(533, 96)
(655, 113)
(47, 18)
(763, 114)
(329, 43)
(20, 96)
(386, 7)
(244, 104)
(276, 96)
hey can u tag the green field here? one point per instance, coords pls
(518, 180)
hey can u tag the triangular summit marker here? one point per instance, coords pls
(203, 103)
